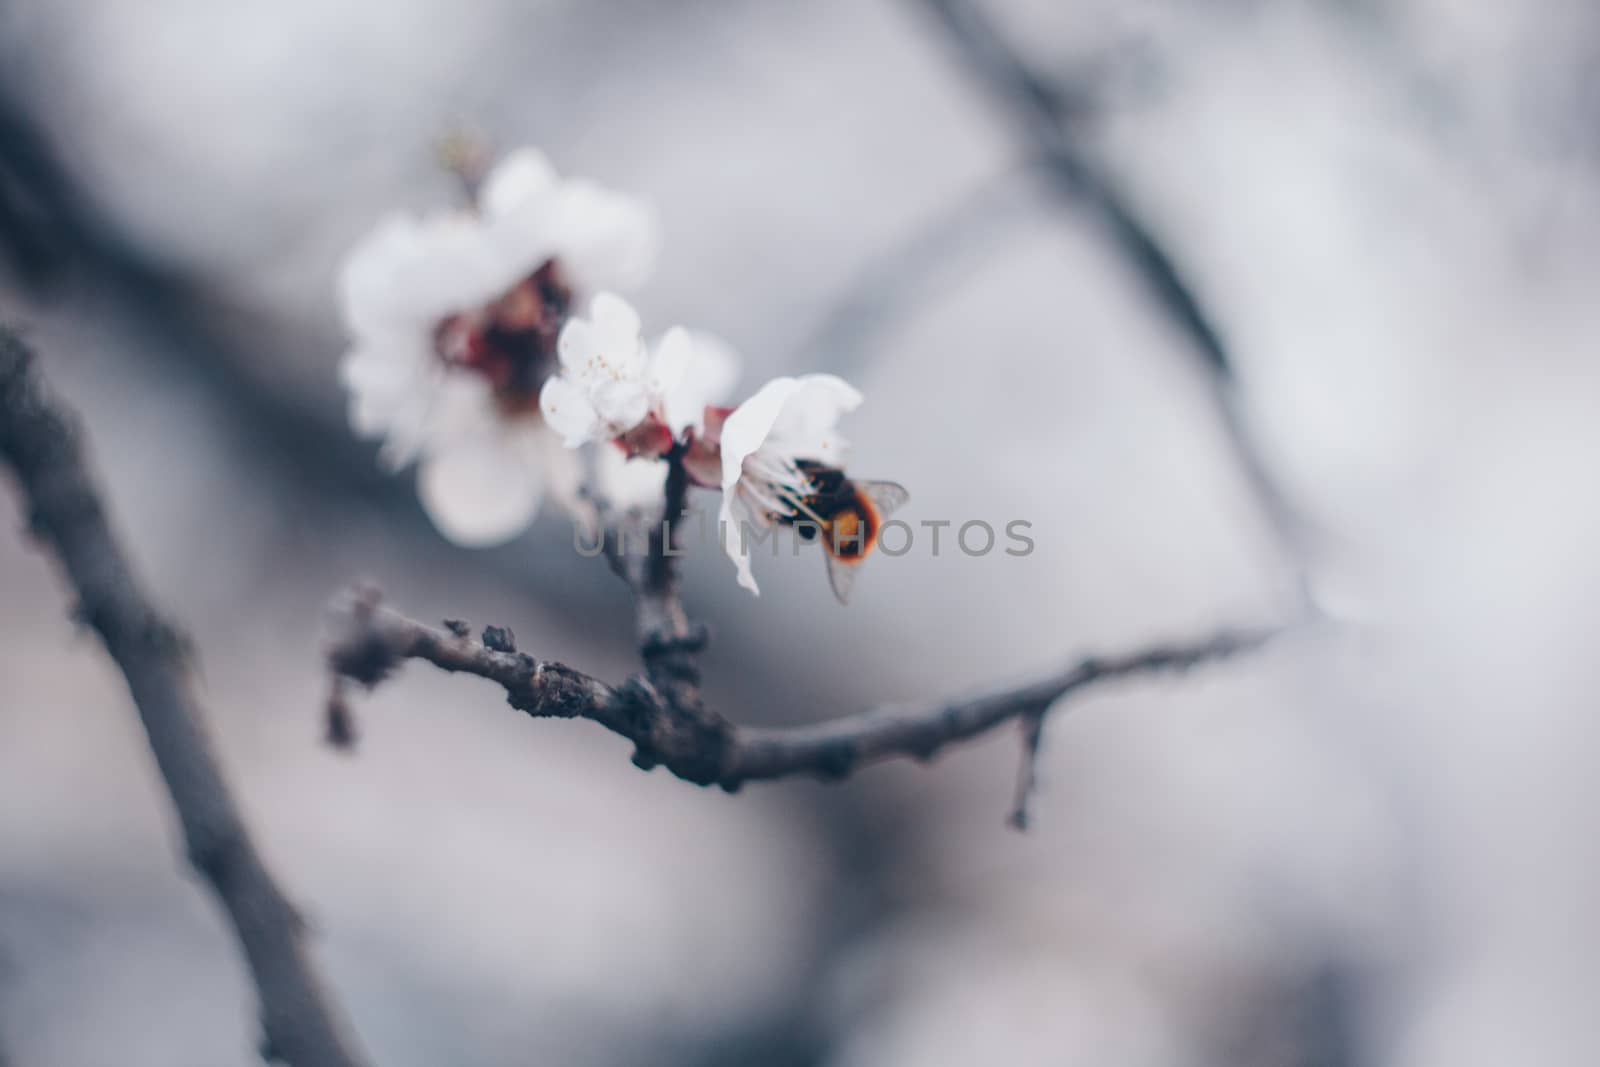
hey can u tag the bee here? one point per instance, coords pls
(846, 514)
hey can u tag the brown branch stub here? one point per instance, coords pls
(1032, 725)
(371, 641)
(706, 749)
(339, 720)
(42, 445)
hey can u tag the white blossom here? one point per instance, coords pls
(763, 441)
(612, 386)
(454, 318)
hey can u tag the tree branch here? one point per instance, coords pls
(371, 640)
(42, 444)
(662, 711)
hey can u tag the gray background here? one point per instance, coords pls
(1371, 844)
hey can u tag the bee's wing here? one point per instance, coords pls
(887, 497)
(841, 575)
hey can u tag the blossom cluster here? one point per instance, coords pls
(490, 347)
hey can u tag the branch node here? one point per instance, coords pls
(550, 690)
(836, 761)
(694, 639)
(499, 639)
(359, 651)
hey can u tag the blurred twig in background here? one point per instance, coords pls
(52, 234)
(1040, 112)
(895, 280)
(43, 219)
(40, 442)
(1043, 115)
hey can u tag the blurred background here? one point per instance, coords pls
(1370, 844)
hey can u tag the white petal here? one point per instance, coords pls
(383, 377)
(614, 318)
(404, 427)
(383, 366)
(669, 361)
(461, 408)
(712, 368)
(621, 404)
(453, 406)
(481, 493)
(567, 411)
(616, 327)
(515, 181)
(578, 346)
(605, 240)
(747, 427)
(410, 273)
(371, 415)
(807, 425)
(629, 483)
(410, 421)
(368, 300)
(798, 416)
(374, 413)
(732, 517)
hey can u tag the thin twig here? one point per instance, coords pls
(1035, 106)
(55, 237)
(911, 271)
(44, 220)
(301, 1024)
(1043, 120)
(1028, 770)
(667, 639)
(371, 640)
